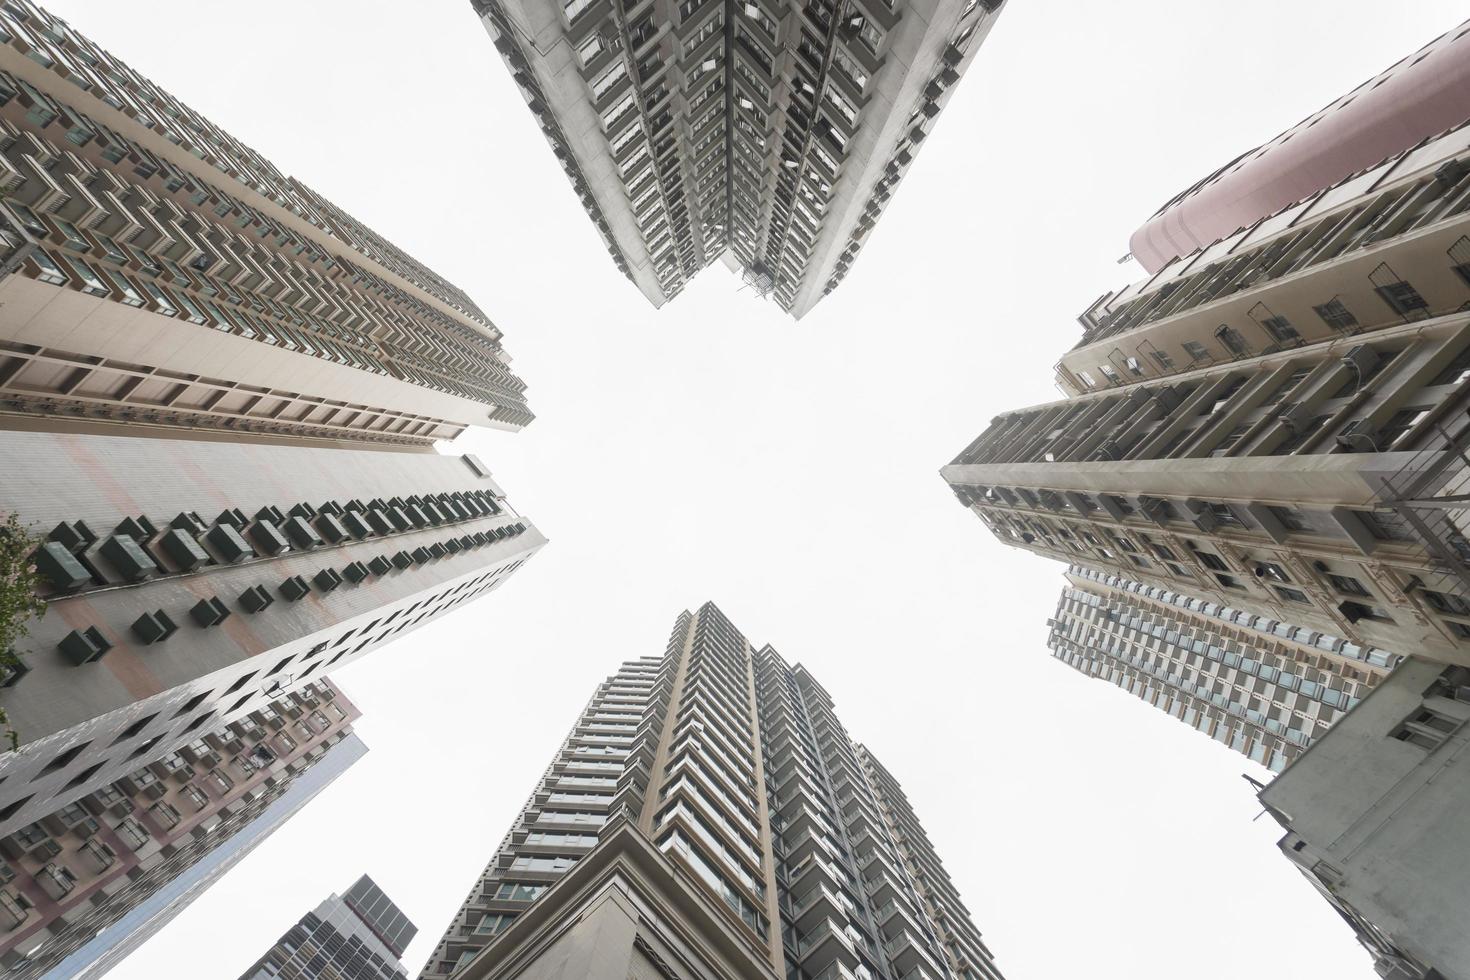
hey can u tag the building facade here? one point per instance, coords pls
(220, 398)
(1374, 815)
(189, 582)
(746, 833)
(768, 136)
(1275, 421)
(357, 936)
(1264, 688)
(159, 272)
(81, 871)
(96, 958)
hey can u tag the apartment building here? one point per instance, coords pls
(356, 936)
(86, 884)
(1275, 419)
(190, 582)
(1374, 815)
(709, 816)
(161, 272)
(767, 136)
(1264, 688)
(220, 398)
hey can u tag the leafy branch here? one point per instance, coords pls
(20, 600)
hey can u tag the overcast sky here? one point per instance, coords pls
(718, 450)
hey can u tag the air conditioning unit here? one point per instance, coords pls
(1167, 399)
(1357, 436)
(1201, 515)
(1295, 414)
(1363, 358)
(1153, 508)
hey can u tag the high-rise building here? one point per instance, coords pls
(85, 885)
(219, 402)
(160, 272)
(1275, 419)
(768, 136)
(189, 582)
(708, 812)
(1266, 689)
(1375, 819)
(357, 936)
(119, 940)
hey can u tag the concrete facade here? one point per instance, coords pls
(160, 272)
(1277, 420)
(1415, 99)
(85, 867)
(357, 936)
(220, 397)
(214, 575)
(1266, 689)
(1375, 815)
(723, 773)
(767, 136)
(105, 951)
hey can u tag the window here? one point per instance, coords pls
(590, 48)
(1450, 604)
(1291, 595)
(1212, 561)
(161, 302)
(574, 7)
(1196, 351)
(1456, 372)
(610, 76)
(1336, 315)
(518, 891)
(1355, 611)
(1403, 299)
(1347, 585)
(91, 283)
(1398, 426)
(1231, 340)
(1426, 728)
(130, 295)
(1164, 360)
(47, 269)
(1280, 329)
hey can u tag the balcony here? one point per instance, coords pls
(97, 855)
(826, 945)
(12, 912)
(909, 954)
(56, 880)
(821, 904)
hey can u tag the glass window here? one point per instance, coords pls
(91, 283)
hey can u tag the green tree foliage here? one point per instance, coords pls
(20, 602)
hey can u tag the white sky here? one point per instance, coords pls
(716, 449)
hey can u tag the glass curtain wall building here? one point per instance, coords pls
(725, 773)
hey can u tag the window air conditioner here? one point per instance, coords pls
(1361, 357)
(1359, 435)
(1295, 414)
